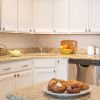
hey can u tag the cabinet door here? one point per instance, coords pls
(41, 75)
(9, 15)
(44, 63)
(61, 17)
(7, 85)
(62, 68)
(95, 15)
(72, 72)
(25, 15)
(79, 15)
(42, 10)
(23, 79)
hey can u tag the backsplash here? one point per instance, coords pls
(13, 40)
(83, 40)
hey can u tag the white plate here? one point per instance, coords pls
(65, 94)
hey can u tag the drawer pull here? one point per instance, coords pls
(25, 66)
(7, 69)
(17, 75)
(54, 71)
(85, 30)
(58, 61)
(3, 28)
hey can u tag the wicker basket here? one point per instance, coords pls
(3, 50)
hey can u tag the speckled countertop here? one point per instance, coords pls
(54, 55)
(35, 92)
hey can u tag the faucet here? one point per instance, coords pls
(40, 48)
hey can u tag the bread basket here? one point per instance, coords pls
(3, 50)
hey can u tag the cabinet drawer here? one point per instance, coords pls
(46, 74)
(14, 66)
(44, 62)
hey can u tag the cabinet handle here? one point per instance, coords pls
(15, 75)
(54, 31)
(7, 69)
(58, 61)
(30, 30)
(34, 30)
(85, 30)
(24, 66)
(3, 28)
(54, 71)
(89, 30)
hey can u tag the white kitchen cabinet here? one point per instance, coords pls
(7, 85)
(14, 75)
(25, 16)
(62, 68)
(41, 74)
(72, 73)
(48, 68)
(42, 19)
(23, 79)
(94, 15)
(44, 69)
(9, 15)
(61, 15)
(79, 19)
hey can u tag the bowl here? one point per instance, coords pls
(66, 51)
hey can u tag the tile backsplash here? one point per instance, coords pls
(13, 40)
(48, 41)
(83, 40)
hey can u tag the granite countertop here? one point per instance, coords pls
(35, 92)
(53, 55)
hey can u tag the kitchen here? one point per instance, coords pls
(44, 24)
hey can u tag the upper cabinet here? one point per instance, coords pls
(42, 15)
(9, 15)
(94, 15)
(79, 11)
(61, 15)
(49, 16)
(25, 15)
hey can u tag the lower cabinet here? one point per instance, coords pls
(14, 75)
(41, 75)
(23, 79)
(14, 81)
(44, 69)
(7, 85)
(47, 68)
(62, 68)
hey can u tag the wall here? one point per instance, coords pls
(83, 40)
(13, 40)
(27, 40)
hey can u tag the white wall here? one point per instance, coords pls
(17, 40)
(83, 40)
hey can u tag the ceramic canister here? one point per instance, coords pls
(91, 50)
(97, 51)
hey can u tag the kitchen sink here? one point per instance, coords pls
(43, 54)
